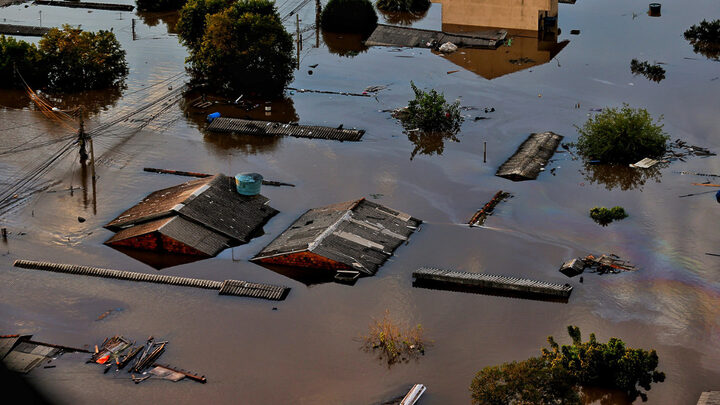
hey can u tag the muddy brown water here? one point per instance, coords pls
(308, 351)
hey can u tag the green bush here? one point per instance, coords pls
(403, 5)
(159, 5)
(557, 375)
(245, 50)
(623, 135)
(705, 38)
(349, 16)
(67, 59)
(431, 113)
(604, 216)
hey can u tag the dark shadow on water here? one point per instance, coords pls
(402, 18)
(156, 260)
(429, 143)
(434, 285)
(152, 18)
(621, 176)
(309, 277)
(346, 45)
(603, 396)
(282, 110)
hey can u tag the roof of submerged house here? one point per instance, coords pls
(359, 235)
(206, 215)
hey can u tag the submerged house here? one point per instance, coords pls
(201, 217)
(354, 237)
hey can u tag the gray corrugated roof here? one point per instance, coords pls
(7, 343)
(207, 215)
(530, 157)
(267, 128)
(359, 234)
(391, 35)
(26, 356)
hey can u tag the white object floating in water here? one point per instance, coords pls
(414, 395)
(645, 163)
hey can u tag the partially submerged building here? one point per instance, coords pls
(351, 237)
(531, 157)
(20, 354)
(200, 217)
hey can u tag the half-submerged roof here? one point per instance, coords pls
(355, 235)
(530, 157)
(204, 216)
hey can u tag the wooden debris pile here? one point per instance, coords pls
(679, 149)
(121, 352)
(479, 218)
(605, 264)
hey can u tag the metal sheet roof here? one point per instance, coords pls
(530, 157)
(359, 234)
(391, 35)
(267, 128)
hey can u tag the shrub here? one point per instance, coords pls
(403, 5)
(556, 376)
(431, 113)
(245, 49)
(349, 16)
(159, 5)
(654, 72)
(604, 216)
(705, 38)
(622, 136)
(393, 342)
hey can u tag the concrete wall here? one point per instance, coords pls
(512, 14)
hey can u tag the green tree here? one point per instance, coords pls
(245, 49)
(606, 365)
(623, 135)
(159, 5)
(429, 111)
(532, 381)
(81, 60)
(349, 16)
(23, 56)
(193, 20)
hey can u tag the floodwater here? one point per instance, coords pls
(308, 351)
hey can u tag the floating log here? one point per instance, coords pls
(227, 287)
(23, 30)
(530, 157)
(81, 4)
(494, 282)
(487, 210)
(268, 128)
(391, 35)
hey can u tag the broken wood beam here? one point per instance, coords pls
(482, 214)
(205, 175)
(188, 374)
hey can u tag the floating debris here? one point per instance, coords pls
(645, 163)
(479, 218)
(679, 149)
(605, 264)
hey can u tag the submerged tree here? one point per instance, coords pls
(245, 49)
(67, 59)
(605, 216)
(561, 371)
(623, 135)
(705, 38)
(193, 20)
(429, 111)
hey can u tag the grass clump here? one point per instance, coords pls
(705, 38)
(349, 16)
(604, 216)
(623, 135)
(654, 72)
(394, 342)
(430, 112)
(403, 5)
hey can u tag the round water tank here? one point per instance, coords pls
(248, 183)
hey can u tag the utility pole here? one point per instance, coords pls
(133, 29)
(318, 10)
(82, 137)
(297, 41)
